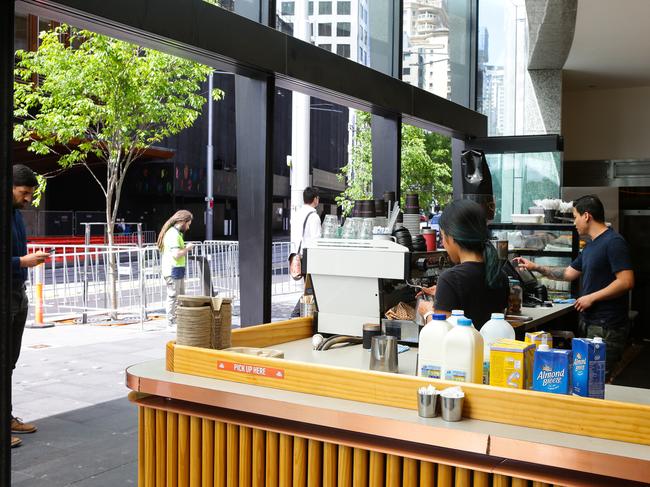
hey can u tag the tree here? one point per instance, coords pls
(101, 97)
(426, 166)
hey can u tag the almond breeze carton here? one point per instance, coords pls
(552, 370)
(589, 367)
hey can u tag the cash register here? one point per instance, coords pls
(534, 294)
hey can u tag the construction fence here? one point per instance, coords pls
(82, 281)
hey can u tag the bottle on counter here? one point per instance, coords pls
(455, 315)
(515, 298)
(463, 353)
(494, 329)
(430, 343)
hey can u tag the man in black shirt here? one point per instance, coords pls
(605, 269)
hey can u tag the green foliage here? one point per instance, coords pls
(426, 166)
(103, 97)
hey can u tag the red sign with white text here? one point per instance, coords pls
(251, 369)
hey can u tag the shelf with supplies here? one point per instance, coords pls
(555, 244)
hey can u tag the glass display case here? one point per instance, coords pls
(547, 244)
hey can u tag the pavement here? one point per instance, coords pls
(70, 381)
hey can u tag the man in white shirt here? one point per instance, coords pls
(305, 228)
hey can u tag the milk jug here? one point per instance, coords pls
(455, 314)
(494, 329)
(430, 345)
(463, 353)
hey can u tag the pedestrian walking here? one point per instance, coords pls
(174, 259)
(24, 185)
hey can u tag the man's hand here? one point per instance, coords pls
(584, 302)
(525, 263)
(427, 291)
(425, 307)
(32, 260)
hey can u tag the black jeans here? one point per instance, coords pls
(614, 334)
(19, 305)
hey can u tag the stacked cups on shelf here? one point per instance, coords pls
(412, 214)
(330, 226)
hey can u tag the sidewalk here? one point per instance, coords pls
(70, 381)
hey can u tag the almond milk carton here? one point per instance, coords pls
(589, 367)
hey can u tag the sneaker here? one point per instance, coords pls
(15, 441)
(17, 426)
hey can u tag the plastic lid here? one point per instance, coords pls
(457, 312)
(464, 322)
(543, 347)
(597, 340)
(497, 316)
(438, 316)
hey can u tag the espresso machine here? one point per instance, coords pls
(357, 281)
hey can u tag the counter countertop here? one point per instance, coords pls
(541, 314)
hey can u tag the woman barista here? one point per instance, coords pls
(477, 283)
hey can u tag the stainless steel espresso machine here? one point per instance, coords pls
(357, 281)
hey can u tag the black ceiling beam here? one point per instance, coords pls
(225, 40)
(518, 144)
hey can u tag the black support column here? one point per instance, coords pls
(6, 117)
(457, 148)
(254, 118)
(386, 154)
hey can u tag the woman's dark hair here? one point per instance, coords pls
(24, 176)
(590, 204)
(465, 221)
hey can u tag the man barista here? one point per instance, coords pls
(605, 270)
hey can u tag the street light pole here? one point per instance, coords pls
(209, 199)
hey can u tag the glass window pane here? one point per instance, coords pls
(343, 8)
(437, 47)
(310, 8)
(327, 47)
(20, 33)
(343, 29)
(343, 50)
(518, 179)
(287, 8)
(324, 29)
(324, 8)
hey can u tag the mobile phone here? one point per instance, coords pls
(52, 250)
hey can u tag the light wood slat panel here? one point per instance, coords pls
(314, 463)
(377, 470)
(207, 453)
(286, 460)
(410, 472)
(232, 455)
(245, 456)
(463, 477)
(481, 479)
(259, 458)
(344, 474)
(171, 456)
(220, 454)
(330, 454)
(360, 468)
(196, 425)
(161, 447)
(272, 459)
(541, 484)
(273, 333)
(150, 447)
(517, 482)
(500, 481)
(299, 461)
(183, 450)
(427, 474)
(555, 412)
(393, 471)
(445, 476)
(141, 446)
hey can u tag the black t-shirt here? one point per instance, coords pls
(599, 262)
(463, 287)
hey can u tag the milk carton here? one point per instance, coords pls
(589, 367)
(511, 364)
(552, 370)
(539, 337)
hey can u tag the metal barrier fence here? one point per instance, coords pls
(76, 280)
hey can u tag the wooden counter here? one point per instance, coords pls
(242, 431)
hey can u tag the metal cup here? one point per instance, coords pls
(383, 353)
(452, 408)
(427, 405)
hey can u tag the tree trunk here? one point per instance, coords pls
(112, 270)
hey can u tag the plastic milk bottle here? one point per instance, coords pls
(494, 329)
(455, 314)
(463, 353)
(430, 353)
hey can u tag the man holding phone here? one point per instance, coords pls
(24, 185)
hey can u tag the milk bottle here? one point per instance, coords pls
(463, 353)
(494, 329)
(455, 315)
(430, 354)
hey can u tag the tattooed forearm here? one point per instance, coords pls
(555, 273)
